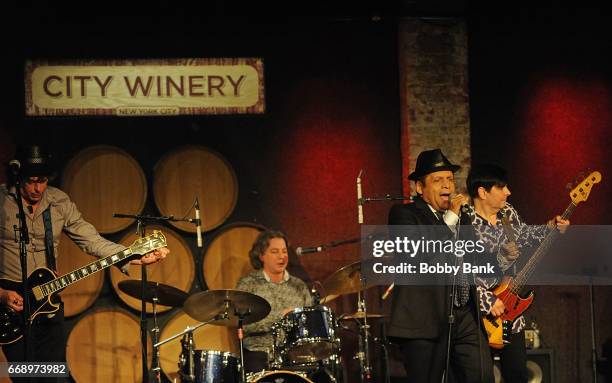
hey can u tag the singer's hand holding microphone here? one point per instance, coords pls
(458, 201)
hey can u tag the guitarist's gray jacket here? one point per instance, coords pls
(65, 217)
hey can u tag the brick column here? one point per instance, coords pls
(433, 63)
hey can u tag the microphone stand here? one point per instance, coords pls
(24, 240)
(141, 230)
(363, 355)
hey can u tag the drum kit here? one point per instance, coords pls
(306, 345)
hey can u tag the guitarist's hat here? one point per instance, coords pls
(33, 160)
(430, 161)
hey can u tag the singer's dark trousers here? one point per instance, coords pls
(470, 358)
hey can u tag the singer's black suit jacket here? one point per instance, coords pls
(420, 312)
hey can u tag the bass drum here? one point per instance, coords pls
(278, 376)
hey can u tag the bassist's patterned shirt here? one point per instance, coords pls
(493, 238)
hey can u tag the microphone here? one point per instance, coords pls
(464, 208)
(359, 200)
(198, 222)
(307, 250)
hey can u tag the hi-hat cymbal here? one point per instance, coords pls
(166, 295)
(346, 280)
(206, 305)
(360, 315)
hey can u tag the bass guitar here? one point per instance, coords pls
(499, 328)
(45, 286)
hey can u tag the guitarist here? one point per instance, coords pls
(488, 187)
(49, 211)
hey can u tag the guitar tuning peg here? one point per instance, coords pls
(569, 186)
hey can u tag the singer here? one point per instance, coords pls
(49, 212)
(420, 314)
(272, 281)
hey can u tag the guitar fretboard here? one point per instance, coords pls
(83, 272)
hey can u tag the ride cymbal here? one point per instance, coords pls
(206, 305)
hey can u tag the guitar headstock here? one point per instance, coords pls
(151, 242)
(581, 192)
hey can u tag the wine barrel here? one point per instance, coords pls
(105, 346)
(102, 180)
(190, 172)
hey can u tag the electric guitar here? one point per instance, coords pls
(44, 286)
(499, 328)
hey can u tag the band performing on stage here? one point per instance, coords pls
(446, 328)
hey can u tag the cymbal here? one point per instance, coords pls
(346, 280)
(166, 295)
(205, 305)
(360, 315)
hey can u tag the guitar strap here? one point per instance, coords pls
(49, 251)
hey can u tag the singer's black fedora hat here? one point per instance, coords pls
(430, 161)
(34, 160)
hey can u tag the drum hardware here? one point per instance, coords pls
(305, 335)
(278, 376)
(155, 293)
(202, 306)
(347, 280)
(364, 335)
(141, 222)
(186, 359)
(247, 308)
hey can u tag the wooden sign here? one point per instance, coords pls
(145, 87)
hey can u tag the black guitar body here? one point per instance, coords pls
(11, 322)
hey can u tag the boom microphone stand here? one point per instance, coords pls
(141, 230)
(366, 368)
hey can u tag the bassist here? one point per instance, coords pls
(490, 212)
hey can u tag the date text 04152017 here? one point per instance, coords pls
(33, 370)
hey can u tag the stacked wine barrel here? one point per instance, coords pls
(104, 340)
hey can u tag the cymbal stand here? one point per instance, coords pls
(363, 355)
(156, 368)
(241, 315)
(186, 343)
(141, 222)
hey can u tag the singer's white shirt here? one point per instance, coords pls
(450, 218)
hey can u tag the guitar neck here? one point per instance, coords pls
(74, 276)
(522, 277)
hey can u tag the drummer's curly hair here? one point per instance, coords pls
(261, 245)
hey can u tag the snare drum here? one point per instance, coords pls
(306, 335)
(278, 376)
(212, 366)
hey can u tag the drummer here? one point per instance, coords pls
(272, 281)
